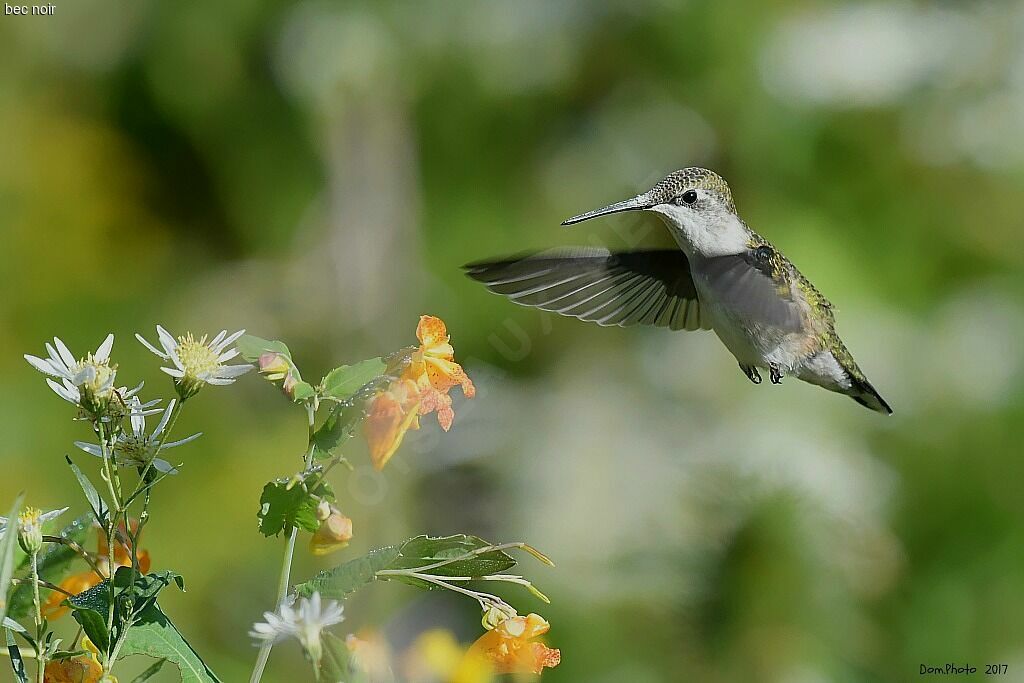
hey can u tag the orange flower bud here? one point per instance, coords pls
(334, 533)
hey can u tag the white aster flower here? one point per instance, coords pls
(137, 448)
(88, 382)
(196, 361)
(43, 518)
(305, 623)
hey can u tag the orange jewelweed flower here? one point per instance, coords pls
(334, 533)
(77, 669)
(435, 372)
(510, 646)
(82, 581)
(392, 413)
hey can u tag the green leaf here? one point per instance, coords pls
(334, 666)
(16, 661)
(150, 672)
(422, 551)
(287, 503)
(7, 543)
(154, 635)
(53, 564)
(90, 608)
(98, 506)
(302, 390)
(251, 347)
(337, 429)
(342, 382)
(95, 626)
(349, 577)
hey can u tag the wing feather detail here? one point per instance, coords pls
(647, 287)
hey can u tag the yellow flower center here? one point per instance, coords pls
(101, 384)
(197, 358)
(29, 519)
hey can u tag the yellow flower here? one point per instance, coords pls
(510, 646)
(334, 533)
(78, 669)
(83, 581)
(392, 413)
(437, 656)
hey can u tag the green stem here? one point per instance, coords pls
(109, 471)
(133, 537)
(41, 663)
(286, 563)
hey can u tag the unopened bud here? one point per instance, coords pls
(323, 510)
(334, 533)
(30, 531)
(274, 365)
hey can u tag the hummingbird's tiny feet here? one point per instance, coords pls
(775, 374)
(751, 372)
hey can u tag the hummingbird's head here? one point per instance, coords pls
(696, 204)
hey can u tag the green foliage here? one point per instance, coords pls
(53, 564)
(17, 663)
(7, 543)
(151, 633)
(292, 502)
(447, 556)
(99, 507)
(150, 671)
(344, 381)
(349, 577)
(458, 555)
(154, 635)
(251, 348)
(337, 429)
(90, 608)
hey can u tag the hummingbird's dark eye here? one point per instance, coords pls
(688, 197)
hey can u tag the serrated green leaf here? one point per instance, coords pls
(285, 504)
(154, 635)
(339, 582)
(251, 347)
(99, 507)
(16, 661)
(53, 564)
(150, 672)
(7, 543)
(346, 380)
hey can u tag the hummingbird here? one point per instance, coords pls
(723, 277)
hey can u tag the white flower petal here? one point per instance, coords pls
(164, 419)
(233, 371)
(90, 448)
(103, 351)
(42, 365)
(52, 514)
(227, 355)
(177, 373)
(71, 395)
(65, 353)
(219, 382)
(152, 348)
(230, 339)
(161, 465)
(180, 442)
(215, 340)
(169, 344)
(128, 393)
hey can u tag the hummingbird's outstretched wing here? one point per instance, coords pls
(649, 287)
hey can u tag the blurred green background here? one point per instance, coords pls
(318, 172)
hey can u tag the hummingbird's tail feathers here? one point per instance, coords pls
(650, 287)
(863, 393)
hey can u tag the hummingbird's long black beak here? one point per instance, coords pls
(638, 203)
